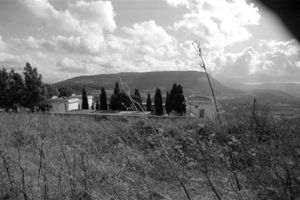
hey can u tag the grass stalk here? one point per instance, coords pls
(134, 103)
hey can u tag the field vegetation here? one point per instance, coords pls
(251, 156)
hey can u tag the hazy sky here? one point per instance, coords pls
(65, 38)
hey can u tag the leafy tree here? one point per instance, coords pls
(35, 91)
(103, 100)
(85, 103)
(168, 104)
(15, 90)
(4, 77)
(149, 103)
(51, 91)
(65, 91)
(158, 102)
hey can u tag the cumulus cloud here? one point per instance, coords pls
(2, 44)
(69, 65)
(278, 62)
(176, 3)
(81, 17)
(217, 23)
(150, 38)
(34, 43)
(76, 44)
(80, 26)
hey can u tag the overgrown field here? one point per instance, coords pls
(56, 157)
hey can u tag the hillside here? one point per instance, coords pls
(292, 89)
(280, 103)
(193, 82)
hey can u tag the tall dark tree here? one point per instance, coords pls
(97, 105)
(158, 102)
(35, 91)
(119, 100)
(149, 103)
(15, 91)
(4, 78)
(168, 104)
(172, 99)
(103, 100)
(177, 99)
(117, 88)
(85, 103)
(137, 97)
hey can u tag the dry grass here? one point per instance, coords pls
(57, 157)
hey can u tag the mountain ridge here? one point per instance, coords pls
(193, 82)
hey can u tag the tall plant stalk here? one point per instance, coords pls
(126, 89)
(224, 131)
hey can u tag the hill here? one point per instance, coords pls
(193, 82)
(292, 89)
(280, 103)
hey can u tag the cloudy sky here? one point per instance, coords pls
(241, 40)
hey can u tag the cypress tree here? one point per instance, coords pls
(103, 100)
(117, 88)
(119, 100)
(177, 100)
(149, 103)
(85, 103)
(158, 102)
(168, 104)
(172, 100)
(137, 97)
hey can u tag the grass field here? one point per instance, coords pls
(76, 157)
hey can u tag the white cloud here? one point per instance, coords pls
(84, 18)
(2, 44)
(95, 13)
(217, 23)
(149, 38)
(289, 48)
(69, 65)
(278, 61)
(34, 43)
(176, 3)
(77, 44)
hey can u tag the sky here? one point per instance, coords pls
(240, 39)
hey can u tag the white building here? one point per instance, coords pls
(202, 107)
(67, 104)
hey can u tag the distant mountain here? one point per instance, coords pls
(280, 103)
(292, 89)
(193, 82)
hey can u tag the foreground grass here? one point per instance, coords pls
(57, 157)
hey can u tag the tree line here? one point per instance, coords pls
(25, 90)
(119, 100)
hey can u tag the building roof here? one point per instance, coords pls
(199, 98)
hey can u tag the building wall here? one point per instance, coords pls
(72, 106)
(90, 101)
(58, 107)
(209, 110)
